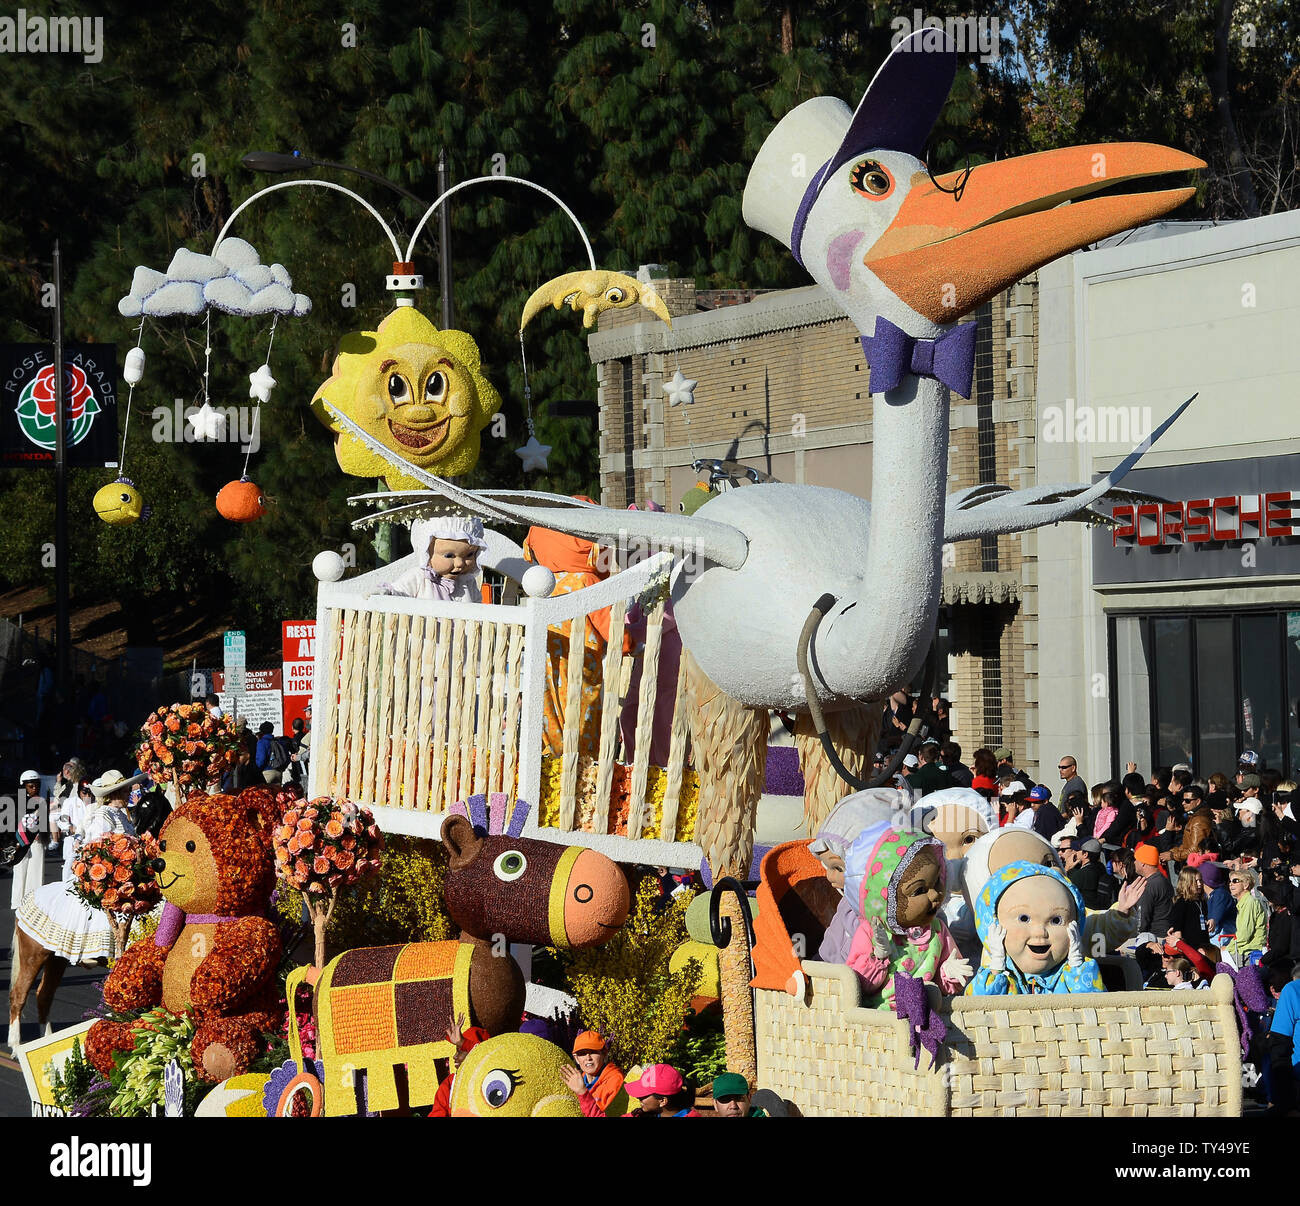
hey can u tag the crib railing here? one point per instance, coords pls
(421, 703)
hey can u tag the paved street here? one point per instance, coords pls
(78, 992)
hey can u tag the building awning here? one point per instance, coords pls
(980, 588)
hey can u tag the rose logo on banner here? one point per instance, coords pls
(36, 406)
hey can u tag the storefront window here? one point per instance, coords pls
(1132, 691)
(1261, 688)
(1215, 696)
(1200, 688)
(1293, 685)
(1173, 644)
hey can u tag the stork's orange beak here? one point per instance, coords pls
(944, 257)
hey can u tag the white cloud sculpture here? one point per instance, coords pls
(234, 280)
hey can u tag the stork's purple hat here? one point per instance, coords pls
(896, 113)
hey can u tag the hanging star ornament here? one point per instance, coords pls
(208, 423)
(680, 389)
(261, 383)
(533, 454)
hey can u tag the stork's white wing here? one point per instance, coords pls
(686, 534)
(990, 509)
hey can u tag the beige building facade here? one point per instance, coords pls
(782, 386)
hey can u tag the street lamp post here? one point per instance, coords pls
(284, 161)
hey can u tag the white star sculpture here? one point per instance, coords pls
(261, 383)
(208, 424)
(533, 454)
(680, 389)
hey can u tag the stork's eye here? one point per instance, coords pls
(870, 178)
(435, 389)
(509, 866)
(614, 295)
(498, 1085)
(398, 390)
(125, 497)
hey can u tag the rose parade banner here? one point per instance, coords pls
(27, 404)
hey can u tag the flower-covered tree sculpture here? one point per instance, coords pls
(186, 746)
(322, 847)
(115, 873)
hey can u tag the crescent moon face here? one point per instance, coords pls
(593, 293)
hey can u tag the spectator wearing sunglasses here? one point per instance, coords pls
(731, 1097)
(1068, 769)
(1198, 829)
(1252, 926)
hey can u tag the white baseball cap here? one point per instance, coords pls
(29, 776)
(1247, 804)
(911, 760)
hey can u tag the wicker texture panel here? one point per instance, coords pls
(1112, 1054)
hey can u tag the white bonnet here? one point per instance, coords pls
(468, 528)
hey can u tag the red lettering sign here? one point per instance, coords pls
(1231, 518)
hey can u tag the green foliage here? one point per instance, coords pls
(403, 903)
(700, 1052)
(70, 1083)
(137, 1077)
(625, 990)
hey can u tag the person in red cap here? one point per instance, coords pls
(465, 1042)
(596, 1077)
(658, 1088)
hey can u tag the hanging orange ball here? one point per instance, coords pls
(241, 501)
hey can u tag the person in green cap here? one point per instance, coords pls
(731, 1094)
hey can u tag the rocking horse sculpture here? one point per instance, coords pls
(379, 1008)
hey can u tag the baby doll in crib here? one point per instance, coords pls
(451, 545)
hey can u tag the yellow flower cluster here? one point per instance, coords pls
(620, 798)
(626, 989)
(404, 903)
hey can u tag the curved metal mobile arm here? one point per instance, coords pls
(455, 188)
(719, 926)
(338, 188)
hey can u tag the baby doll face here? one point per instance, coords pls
(452, 558)
(957, 827)
(834, 864)
(1036, 913)
(920, 891)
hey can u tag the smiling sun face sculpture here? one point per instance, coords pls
(415, 389)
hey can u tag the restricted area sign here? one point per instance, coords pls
(298, 639)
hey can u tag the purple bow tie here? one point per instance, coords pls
(892, 353)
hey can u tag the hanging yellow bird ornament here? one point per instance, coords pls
(593, 292)
(120, 503)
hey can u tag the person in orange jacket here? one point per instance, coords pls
(466, 1043)
(601, 1080)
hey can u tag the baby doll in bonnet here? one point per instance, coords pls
(449, 546)
(898, 877)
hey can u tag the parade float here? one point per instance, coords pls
(424, 703)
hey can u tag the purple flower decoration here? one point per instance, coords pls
(783, 775)
(280, 1079)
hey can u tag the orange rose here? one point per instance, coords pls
(98, 871)
(167, 757)
(121, 874)
(300, 868)
(320, 864)
(173, 724)
(334, 828)
(282, 855)
(343, 859)
(109, 899)
(306, 840)
(78, 868)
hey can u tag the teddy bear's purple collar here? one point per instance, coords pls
(175, 919)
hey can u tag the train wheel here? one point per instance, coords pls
(305, 1084)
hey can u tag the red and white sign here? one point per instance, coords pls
(298, 641)
(1232, 519)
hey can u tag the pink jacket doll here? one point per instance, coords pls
(897, 877)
